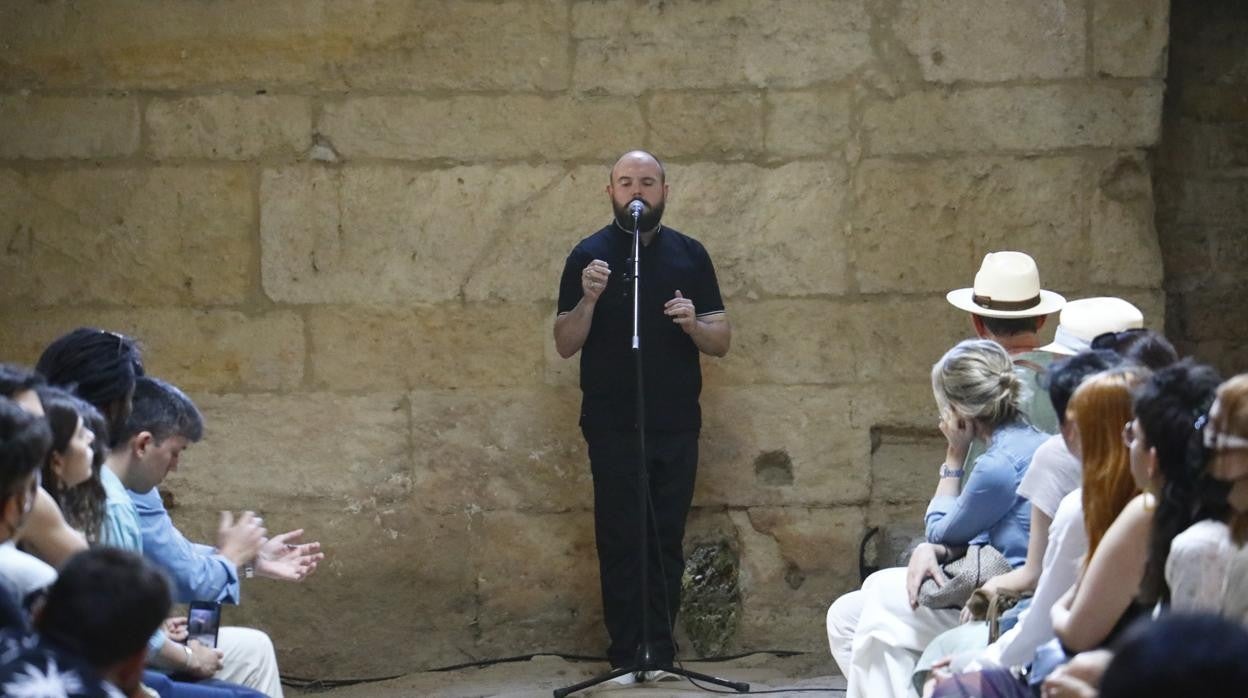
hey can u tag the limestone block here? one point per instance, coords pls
(396, 592)
(901, 527)
(925, 226)
(154, 45)
(476, 233)
(229, 127)
(41, 127)
(708, 124)
(1189, 252)
(1122, 236)
(500, 449)
(556, 370)
(1209, 41)
(449, 345)
(1209, 201)
(904, 462)
(899, 339)
(769, 231)
(807, 123)
(1232, 254)
(448, 45)
(1026, 118)
(985, 41)
(483, 128)
(788, 342)
(904, 403)
(793, 555)
(349, 452)
(799, 628)
(537, 579)
(770, 43)
(197, 350)
(1213, 314)
(1129, 37)
(151, 236)
(772, 445)
(1220, 102)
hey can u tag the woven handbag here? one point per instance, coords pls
(965, 575)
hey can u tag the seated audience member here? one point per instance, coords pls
(1125, 578)
(24, 442)
(92, 630)
(99, 366)
(877, 632)
(1179, 655)
(1095, 411)
(1199, 569)
(71, 461)
(163, 422)
(47, 534)
(86, 502)
(1008, 306)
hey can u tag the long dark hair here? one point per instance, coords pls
(100, 366)
(1167, 409)
(83, 505)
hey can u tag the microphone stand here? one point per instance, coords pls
(645, 660)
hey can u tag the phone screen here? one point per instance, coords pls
(203, 621)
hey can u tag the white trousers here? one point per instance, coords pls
(249, 660)
(876, 638)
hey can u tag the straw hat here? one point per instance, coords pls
(1007, 285)
(1083, 320)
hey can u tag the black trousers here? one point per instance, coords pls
(672, 459)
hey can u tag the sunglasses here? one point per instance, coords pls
(1218, 441)
(1111, 340)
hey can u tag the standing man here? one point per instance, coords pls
(681, 315)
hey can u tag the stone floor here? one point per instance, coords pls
(808, 674)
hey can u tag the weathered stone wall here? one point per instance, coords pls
(339, 224)
(1202, 183)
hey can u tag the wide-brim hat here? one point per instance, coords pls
(1007, 285)
(1085, 319)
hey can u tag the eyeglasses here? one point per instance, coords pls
(1128, 434)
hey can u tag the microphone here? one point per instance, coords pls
(636, 208)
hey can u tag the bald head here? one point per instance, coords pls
(639, 161)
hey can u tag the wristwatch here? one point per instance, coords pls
(946, 471)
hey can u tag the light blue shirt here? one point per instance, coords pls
(989, 508)
(120, 529)
(197, 571)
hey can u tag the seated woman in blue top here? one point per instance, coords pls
(877, 633)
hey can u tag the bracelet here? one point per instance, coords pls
(947, 472)
(189, 656)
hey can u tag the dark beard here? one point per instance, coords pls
(647, 221)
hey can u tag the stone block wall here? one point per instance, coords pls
(1202, 183)
(339, 224)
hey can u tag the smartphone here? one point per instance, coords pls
(203, 622)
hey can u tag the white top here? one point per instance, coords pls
(1053, 474)
(1235, 601)
(1197, 565)
(23, 572)
(1068, 544)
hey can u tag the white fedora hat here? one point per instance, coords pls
(1084, 320)
(1007, 285)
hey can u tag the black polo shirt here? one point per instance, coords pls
(670, 360)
